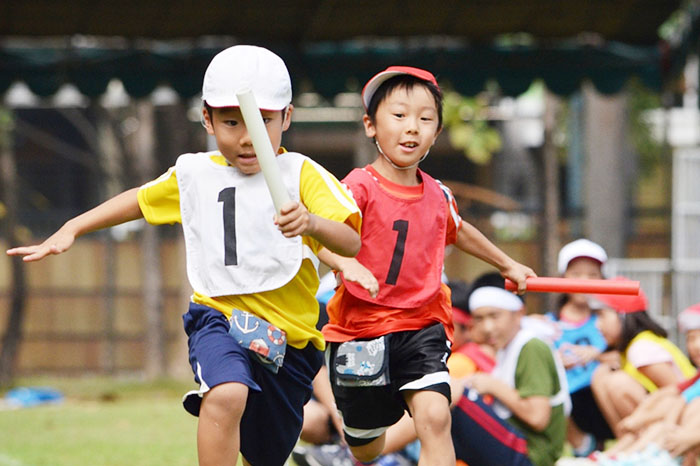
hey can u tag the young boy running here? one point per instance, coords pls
(254, 273)
(390, 320)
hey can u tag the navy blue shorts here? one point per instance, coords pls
(481, 438)
(275, 405)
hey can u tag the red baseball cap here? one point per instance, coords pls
(377, 80)
(624, 304)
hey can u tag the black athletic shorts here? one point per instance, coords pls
(417, 361)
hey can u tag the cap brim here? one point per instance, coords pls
(374, 83)
(232, 101)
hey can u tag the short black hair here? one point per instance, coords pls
(489, 279)
(460, 294)
(404, 81)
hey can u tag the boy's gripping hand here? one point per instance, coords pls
(57, 243)
(294, 220)
(518, 273)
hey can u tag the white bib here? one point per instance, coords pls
(233, 247)
(506, 362)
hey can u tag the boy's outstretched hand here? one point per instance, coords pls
(57, 243)
(353, 271)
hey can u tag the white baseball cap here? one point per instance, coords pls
(247, 66)
(689, 318)
(580, 248)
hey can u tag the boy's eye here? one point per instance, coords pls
(266, 120)
(230, 122)
(398, 115)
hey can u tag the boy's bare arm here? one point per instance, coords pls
(534, 411)
(351, 269)
(119, 209)
(294, 220)
(472, 241)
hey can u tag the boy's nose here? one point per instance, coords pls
(412, 125)
(245, 139)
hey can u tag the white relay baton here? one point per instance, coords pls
(263, 148)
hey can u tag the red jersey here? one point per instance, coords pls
(404, 233)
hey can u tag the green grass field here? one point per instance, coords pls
(102, 422)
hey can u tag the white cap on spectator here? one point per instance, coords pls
(580, 248)
(247, 66)
(689, 319)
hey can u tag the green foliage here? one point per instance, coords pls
(466, 120)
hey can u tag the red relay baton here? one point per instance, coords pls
(573, 285)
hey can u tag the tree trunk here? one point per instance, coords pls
(551, 192)
(607, 181)
(13, 330)
(144, 146)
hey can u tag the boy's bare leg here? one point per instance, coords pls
(399, 435)
(315, 428)
(685, 439)
(370, 451)
(218, 431)
(652, 434)
(433, 423)
(617, 395)
(574, 435)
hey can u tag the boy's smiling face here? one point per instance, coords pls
(227, 126)
(405, 125)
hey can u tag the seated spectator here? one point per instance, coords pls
(526, 422)
(666, 424)
(581, 346)
(649, 360)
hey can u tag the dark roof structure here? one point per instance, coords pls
(333, 45)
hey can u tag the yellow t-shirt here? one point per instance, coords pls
(293, 307)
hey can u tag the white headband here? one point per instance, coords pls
(493, 296)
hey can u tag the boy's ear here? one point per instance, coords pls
(287, 117)
(370, 130)
(206, 121)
